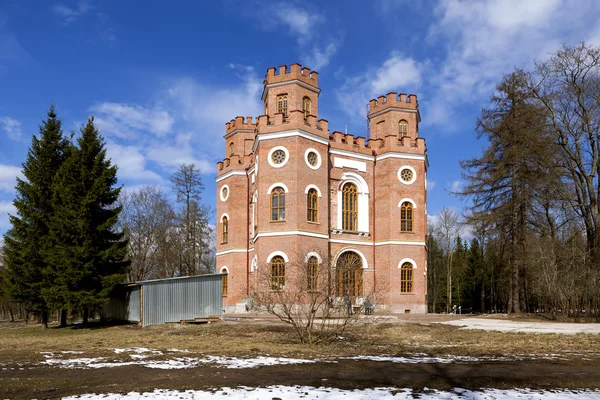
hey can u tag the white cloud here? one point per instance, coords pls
(71, 14)
(300, 22)
(397, 73)
(8, 175)
(11, 127)
(455, 186)
(431, 185)
(319, 57)
(125, 121)
(131, 163)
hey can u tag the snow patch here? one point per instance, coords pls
(304, 392)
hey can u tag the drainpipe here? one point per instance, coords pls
(374, 220)
(247, 232)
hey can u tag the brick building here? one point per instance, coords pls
(289, 189)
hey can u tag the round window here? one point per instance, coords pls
(313, 158)
(224, 193)
(406, 175)
(278, 156)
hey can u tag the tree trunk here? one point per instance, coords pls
(86, 316)
(63, 318)
(44, 318)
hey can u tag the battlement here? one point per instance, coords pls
(234, 162)
(240, 123)
(295, 119)
(392, 99)
(295, 72)
(356, 144)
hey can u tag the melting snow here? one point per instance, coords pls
(307, 392)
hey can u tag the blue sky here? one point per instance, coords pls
(162, 78)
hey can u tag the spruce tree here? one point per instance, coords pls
(89, 255)
(26, 240)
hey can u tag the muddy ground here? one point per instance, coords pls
(49, 382)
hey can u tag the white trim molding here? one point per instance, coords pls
(361, 255)
(363, 200)
(370, 243)
(278, 253)
(286, 134)
(407, 260)
(411, 201)
(230, 173)
(310, 149)
(414, 174)
(224, 268)
(223, 216)
(311, 186)
(254, 264)
(288, 233)
(360, 166)
(232, 251)
(273, 150)
(315, 254)
(350, 154)
(224, 198)
(404, 156)
(278, 184)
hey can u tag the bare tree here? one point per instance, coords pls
(319, 302)
(187, 185)
(147, 218)
(448, 227)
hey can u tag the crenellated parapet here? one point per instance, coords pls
(235, 162)
(294, 72)
(294, 120)
(355, 144)
(393, 100)
(240, 123)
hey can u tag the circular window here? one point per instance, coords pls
(224, 193)
(407, 175)
(278, 156)
(312, 158)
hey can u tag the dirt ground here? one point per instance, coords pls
(548, 361)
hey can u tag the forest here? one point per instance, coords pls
(533, 212)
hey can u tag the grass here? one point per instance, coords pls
(22, 343)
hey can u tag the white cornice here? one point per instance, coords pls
(294, 81)
(290, 133)
(405, 156)
(370, 243)
(230, 173)
(350, 154)
(288, 233)
(220, 253)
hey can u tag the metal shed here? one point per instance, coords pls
(160, 301)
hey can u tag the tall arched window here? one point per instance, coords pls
(312, 205)
(277, 273)
(282, 104)
(406, 278)
(225, 226)
(278, 204)
(306, 106)
(349, 268)
(224, 283)
(349, 207)
(312, 273)
(231, 149)
(406, 217)
(402, 128)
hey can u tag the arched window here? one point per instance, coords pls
(312, 273)
(277, 273)
(225, 225)
(312, 205)
(282, 104)
(406, 278)
(231, 149)
(278, 204)
(402, 128)
(306, 106)
(224, 284)
(349, 207)
(406, 217)
(349, 268)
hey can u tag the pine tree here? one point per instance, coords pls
(26, 240)
(89, 255)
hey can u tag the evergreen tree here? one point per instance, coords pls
(89, 253)
(25, 241)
